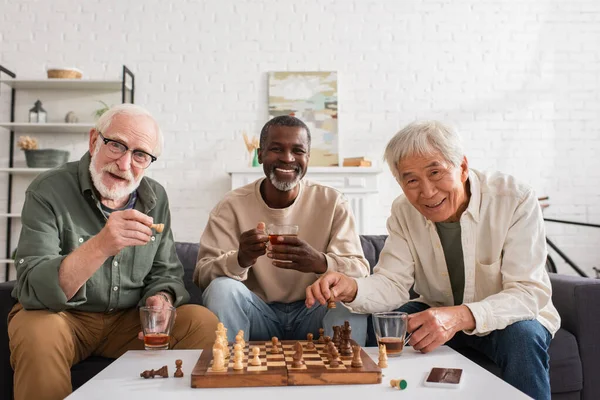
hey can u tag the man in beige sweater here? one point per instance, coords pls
(257, 287)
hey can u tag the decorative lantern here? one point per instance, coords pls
(37, 113)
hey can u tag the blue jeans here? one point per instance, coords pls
(239, 308)
(520, 350)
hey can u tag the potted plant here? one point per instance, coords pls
(45, 158)
(105, 107)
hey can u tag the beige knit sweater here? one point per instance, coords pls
(326, 223)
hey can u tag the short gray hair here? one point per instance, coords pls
(106, 119)
(423, 138)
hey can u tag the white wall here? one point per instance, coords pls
(520, 79)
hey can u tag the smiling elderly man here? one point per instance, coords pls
(87, 258)
(264, 295)
(473, 245)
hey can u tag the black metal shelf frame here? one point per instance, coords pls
(124, 82)
(561, 253)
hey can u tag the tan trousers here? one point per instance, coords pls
(44, 344)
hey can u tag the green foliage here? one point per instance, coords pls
(105, 107)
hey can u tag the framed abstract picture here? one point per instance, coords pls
(312, 97)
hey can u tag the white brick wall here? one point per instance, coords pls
(519, 78)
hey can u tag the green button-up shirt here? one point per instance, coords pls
(61, 212)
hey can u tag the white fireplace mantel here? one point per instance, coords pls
(358, 184)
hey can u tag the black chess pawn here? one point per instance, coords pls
(178, 372)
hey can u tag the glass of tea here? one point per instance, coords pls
(274, 231)
(157, 323)
(390, 330)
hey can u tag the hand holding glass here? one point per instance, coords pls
(157, 323)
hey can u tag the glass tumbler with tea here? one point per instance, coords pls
(275, 230)
(390, 330)
(157, 323)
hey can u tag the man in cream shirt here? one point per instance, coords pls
(473, 245)
(258, 287)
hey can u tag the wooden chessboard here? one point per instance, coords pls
(277, 370)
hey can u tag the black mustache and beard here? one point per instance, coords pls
(285, 186)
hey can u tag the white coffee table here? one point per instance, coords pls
(121, 380)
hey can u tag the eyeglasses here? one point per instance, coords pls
(116, 150)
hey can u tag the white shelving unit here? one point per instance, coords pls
(63, 93)
(65, 84)
(24, 170)
(26, 127)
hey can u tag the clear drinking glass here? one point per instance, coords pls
(157, 323)
(275, 230)
(390, 330)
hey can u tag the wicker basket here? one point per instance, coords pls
(46, 158)
(64, 73)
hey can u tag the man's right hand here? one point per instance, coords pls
(123, 229)
(253, 244)
(332, 285)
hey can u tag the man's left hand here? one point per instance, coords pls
(294, 253)
(157, 300)
(435, 326)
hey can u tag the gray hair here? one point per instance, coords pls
(282, 120)
(106, 120)
(423, 138)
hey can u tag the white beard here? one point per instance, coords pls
(118, 192)
(284, 186)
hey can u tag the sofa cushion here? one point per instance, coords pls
(372, 245)
(566, 374)
(188, 254)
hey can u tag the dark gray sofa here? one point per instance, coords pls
(574, 352)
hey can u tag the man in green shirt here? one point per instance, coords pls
(87, 259)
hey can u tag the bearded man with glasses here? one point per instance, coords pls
(87, 259)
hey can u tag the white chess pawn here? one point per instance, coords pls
(238, 357)
(255, 358)
(382, 357)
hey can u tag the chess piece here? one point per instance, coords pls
(242, 341)
(346, 346)
(221, 333)
(356, 360)
(239, 339)
(348, 329)
(327, 340)
(238, 357)
(162, 372)
(310, 345)
(298, 361)
(399, 383)
(336, 336)
(329, 347)
(275, 347)
(382, 357)
(333, 358)
(147, 374)
(158, 227)
(178, 372)
(321, 337)
(255, 361)
(218, 358)
(331, 303)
